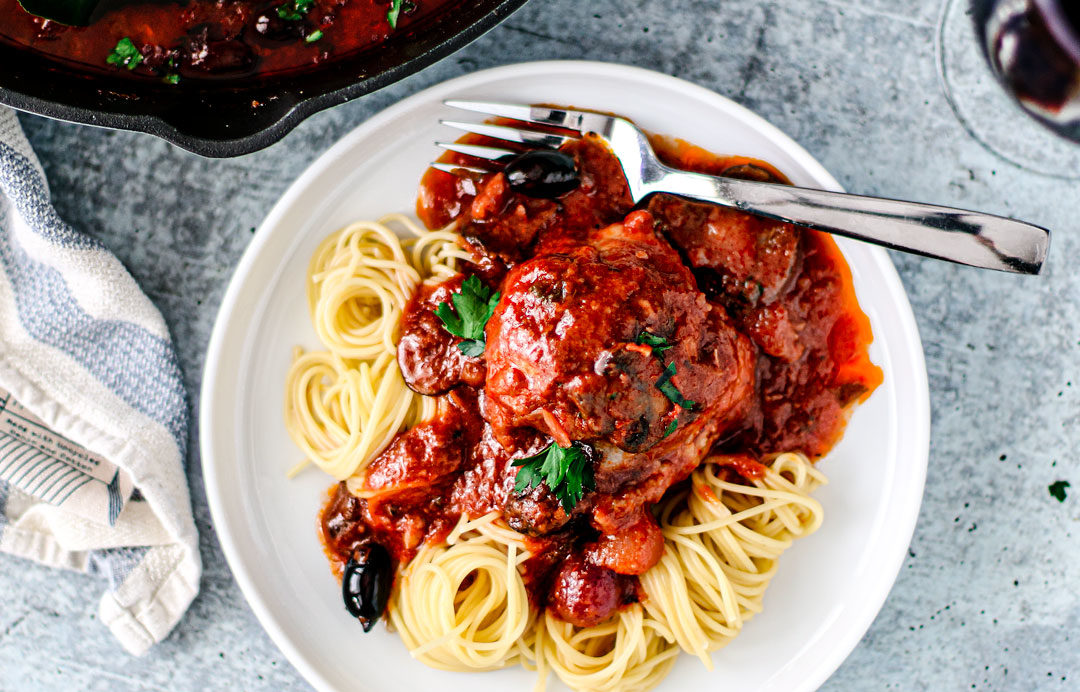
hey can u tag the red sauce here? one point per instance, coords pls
(743, 465)
(813, 364)
(197, 39)
(762, 330)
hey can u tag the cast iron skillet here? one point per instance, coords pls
(229, 118)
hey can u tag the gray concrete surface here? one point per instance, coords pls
(987, 597)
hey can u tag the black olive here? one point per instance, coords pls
(542, 173)
(365, 585)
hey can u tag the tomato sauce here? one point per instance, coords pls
(756, 321)
(203, 39)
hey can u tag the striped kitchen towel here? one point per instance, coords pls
(93, 414)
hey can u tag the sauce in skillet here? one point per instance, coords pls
(199, 39)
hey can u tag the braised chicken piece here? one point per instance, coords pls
(755, 257)
(580, 345)
(585, 332)
(744, 262)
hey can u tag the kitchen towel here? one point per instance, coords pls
(93, 414)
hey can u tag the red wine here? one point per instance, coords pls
(1034, 48)
(1072, 15)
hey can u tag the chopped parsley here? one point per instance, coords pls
(394, 13)
(659, 344)
(665, 385)
(171, 76)
(1057, 490)
(313, 36)
(672, 427)
(125, 54)
(294, 10)
(473, 306)
(565, 470)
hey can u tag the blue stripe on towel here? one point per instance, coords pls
(50, 474)
(23, 185)
(116, 503)
(136, 365)
(57, 484)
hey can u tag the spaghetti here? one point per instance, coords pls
(462, 605)
(344, 405)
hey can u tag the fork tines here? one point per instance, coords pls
(511, 134)
(477, 151)
(580, 122)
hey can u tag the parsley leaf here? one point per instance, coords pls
(1057, 490)
(566, 471)
(665, 385)
(473, 306)
(394, 13)
(125, 54)
(659, 344)
(294, 10)
(313, 36)
(473, 347)
(171, 76)
(672, 427)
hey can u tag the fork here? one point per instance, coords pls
(956, 235)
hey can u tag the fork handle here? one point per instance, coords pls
(964, 237)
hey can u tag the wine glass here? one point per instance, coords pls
(1032, 49)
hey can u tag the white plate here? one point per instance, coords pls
(829, 586)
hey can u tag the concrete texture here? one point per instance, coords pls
(987, 597)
